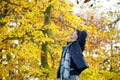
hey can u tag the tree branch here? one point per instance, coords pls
(114, 21)
(63, 21)
(27, 8)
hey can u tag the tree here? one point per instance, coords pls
(29, 30)
(44, 60)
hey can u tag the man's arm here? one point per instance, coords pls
(82, 35)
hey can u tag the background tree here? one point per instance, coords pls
(24, 31)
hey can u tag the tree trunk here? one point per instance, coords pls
(44, 61)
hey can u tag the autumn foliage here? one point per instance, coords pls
(32, 33)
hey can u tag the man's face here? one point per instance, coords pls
(74, 35)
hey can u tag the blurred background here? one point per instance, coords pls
(33, 32)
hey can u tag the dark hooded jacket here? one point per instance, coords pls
(76, 52)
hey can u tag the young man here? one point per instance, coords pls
(72, 61)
